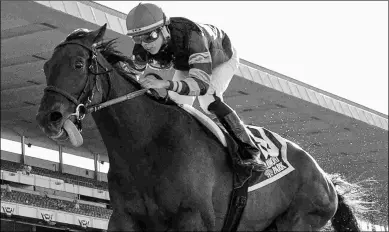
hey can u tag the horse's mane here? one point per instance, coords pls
(110, 53)
(113, 56)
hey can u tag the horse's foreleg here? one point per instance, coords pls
(121, 222)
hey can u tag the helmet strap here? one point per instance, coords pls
(166, 20)
(166, 34)
(164, 29)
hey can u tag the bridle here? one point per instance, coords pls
(93, 83)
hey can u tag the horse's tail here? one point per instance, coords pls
(351, 205)
(344, 219)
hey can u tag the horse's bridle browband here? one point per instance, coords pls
(83, 108)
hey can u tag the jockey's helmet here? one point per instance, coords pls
(144, 18)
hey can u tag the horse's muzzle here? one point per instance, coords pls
(59, 128)
(51, 123)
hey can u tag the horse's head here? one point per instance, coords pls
(73, 74)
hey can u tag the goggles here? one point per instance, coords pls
(146, 38)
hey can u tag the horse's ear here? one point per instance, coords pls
(98, 34)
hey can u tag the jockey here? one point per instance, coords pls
(204, 61)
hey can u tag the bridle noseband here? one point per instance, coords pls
(83, 108)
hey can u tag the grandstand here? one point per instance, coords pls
(35, 197)
(44, 195)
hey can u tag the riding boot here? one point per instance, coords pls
(234, 126)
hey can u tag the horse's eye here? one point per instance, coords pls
(79, 65)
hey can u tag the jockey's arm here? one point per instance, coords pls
(200, 71)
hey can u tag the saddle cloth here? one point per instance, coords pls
(206, 121)
(273, 148)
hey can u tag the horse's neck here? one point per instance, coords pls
(128, 127)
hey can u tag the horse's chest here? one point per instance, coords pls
(153, 205)
(158, 195)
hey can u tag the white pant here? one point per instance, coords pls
(220, 79)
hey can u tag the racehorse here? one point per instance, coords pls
(166, 171)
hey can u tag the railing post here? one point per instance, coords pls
(23, 158)
(60, 165)
(96, 159)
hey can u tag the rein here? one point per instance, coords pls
(83, 108)
(129, 96)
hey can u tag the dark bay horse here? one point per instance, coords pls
(167, 172)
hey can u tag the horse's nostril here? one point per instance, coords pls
(55, 116)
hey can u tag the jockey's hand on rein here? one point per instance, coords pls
(150, 82)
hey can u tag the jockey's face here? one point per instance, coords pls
(154, 46)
